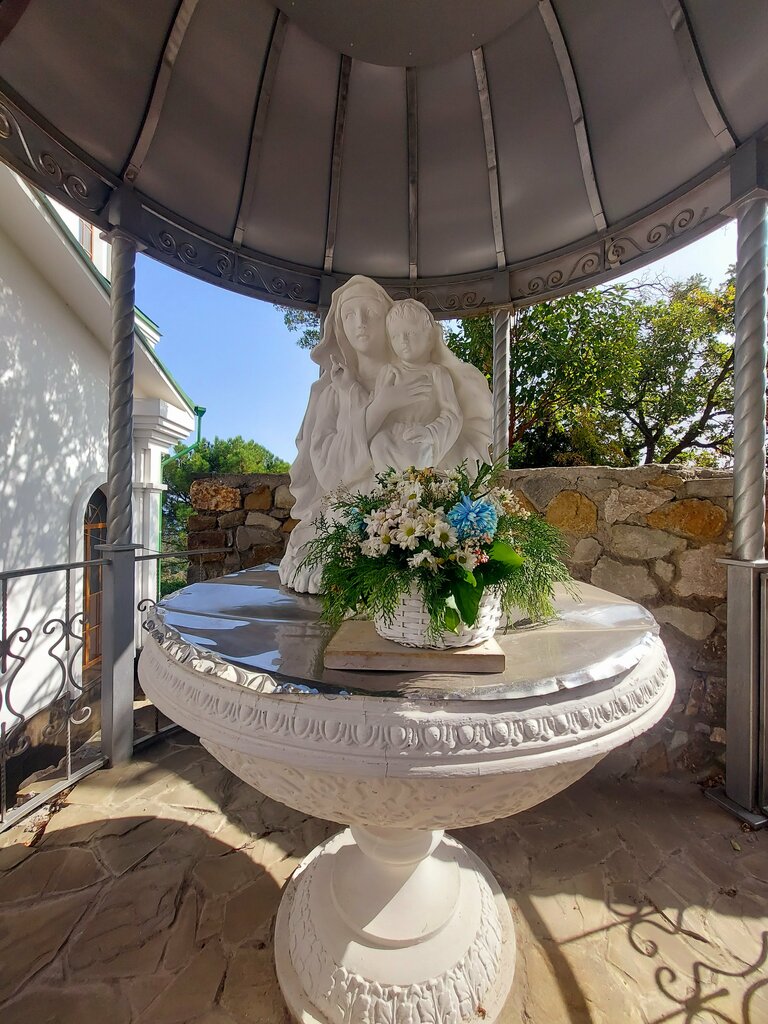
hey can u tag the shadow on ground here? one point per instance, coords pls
(150, 896)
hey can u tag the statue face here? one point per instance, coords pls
(411, 339)
(363, 318)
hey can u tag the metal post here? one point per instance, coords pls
(745, 667)
(749, 382)
(501, 352)
(118, 646)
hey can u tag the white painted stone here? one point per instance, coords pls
(643, 542)
(700, 574)
(697, 625)
(632, 581)
(628, 501)
(391, 394)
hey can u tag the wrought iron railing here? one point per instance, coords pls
(149, 723)
(49, 704)
(50, 694)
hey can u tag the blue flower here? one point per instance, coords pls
(473, 518)
(355, 521)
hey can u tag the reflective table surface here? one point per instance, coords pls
(248, 628)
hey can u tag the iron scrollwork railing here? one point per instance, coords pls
(48, 705)
(149, 723)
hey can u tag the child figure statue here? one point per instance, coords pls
(423, 429)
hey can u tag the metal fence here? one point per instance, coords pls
(52, 676)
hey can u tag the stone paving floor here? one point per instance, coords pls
(150, 896)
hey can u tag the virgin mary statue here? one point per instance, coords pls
(345, 408)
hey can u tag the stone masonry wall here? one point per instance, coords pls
(654, 534)
(649, 533)
(249, 514)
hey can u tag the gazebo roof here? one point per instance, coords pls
(469, 153)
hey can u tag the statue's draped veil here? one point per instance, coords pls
(333, 345)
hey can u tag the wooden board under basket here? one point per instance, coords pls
(357, 646)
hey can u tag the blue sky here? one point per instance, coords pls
(233, 355)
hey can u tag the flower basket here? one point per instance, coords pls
(410, 623)
(435, 558)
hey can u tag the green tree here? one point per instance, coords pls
(566, 356)
(222, 455)
(304, 323)
(617, 376)
(674, 401)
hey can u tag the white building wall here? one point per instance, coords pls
(53, 416)
(54, 380)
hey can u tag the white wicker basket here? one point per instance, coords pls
(410, 624)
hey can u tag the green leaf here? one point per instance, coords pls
(452, 618)
(500, 551)
(469, 577)
(467, 600)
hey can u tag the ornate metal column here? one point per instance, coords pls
(118, 645)
(501, 350)
(746, 784)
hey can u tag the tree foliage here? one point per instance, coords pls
(304, 323)
(613, 376)
(675, 400)
(222, 455)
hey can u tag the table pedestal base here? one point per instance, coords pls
(394, 926)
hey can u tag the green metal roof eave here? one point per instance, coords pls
(106, 285)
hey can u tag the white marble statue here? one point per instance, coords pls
(391, 394)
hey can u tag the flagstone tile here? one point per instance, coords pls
(32, 935)
(181, 943)
(51, 871)
(249, 909)
(193, 989)
(633, 901)
(251, 993)
(71, 1004)
(125, 933)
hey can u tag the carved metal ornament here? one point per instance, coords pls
(46, 162)
(56, 166)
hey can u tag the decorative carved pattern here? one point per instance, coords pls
(587, 264)
(52, 166)
(602, 256)
(427, 802)
(448, 299)
(439, 738)
(449, 998)
(617, 250)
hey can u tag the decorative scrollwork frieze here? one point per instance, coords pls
(618, 249)
(46, 162)
(427, 737)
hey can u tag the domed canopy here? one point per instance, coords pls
(468, 153)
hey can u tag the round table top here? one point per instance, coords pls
(250, 629)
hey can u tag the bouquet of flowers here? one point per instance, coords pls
(451, 537)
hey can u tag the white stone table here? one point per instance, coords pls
(391, 921)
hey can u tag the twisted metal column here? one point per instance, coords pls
(749, 378)
(120, 446)
(501, 333)
(119, 600)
